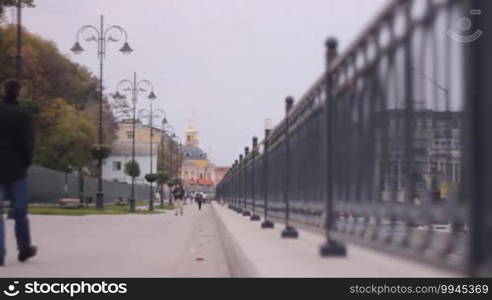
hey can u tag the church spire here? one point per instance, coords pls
(192, 132)
(192, 124)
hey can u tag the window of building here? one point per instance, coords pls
(129, 134)
(116, 165)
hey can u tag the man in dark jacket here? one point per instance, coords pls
(199, 199)
(16, 151)
(178, 194)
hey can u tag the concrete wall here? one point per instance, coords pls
(47, 186)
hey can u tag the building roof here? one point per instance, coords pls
(193, 152)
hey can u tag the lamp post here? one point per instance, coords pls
(134, 87)
(101, 36)
(151, 114)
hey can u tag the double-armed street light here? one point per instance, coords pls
(134, 87)
(151, 114)
(102, 36)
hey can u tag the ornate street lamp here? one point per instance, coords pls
(151, 114)
(102, 37)
(134, 87)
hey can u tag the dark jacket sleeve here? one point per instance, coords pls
(25, 139)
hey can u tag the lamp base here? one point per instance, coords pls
(99, 200)
(246, 213)
(131, 203)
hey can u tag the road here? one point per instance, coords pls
(160, 245)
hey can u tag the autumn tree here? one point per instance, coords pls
(64, 140)
(63, 95)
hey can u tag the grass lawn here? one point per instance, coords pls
(90, 210)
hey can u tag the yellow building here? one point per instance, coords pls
(197, 172)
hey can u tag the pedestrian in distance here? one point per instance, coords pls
(16, 151)
(178, 194)
(199, 199)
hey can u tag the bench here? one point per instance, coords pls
(70, 202)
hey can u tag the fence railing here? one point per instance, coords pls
(389, 148)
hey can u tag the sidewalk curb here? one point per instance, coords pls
(238, 262)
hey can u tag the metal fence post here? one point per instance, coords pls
(478, 125)
(331, 247)
(254, 216)
(240, 184)
(234, 185)
(289, 231)
(266, 223)
(246, 183)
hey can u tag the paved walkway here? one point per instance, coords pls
(160, 245)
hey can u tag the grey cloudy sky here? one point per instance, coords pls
(231, 62)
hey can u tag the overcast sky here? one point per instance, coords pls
(231, 62)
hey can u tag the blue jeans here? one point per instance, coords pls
(17, 190)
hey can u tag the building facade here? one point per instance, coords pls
(121, 152)
(198, 172)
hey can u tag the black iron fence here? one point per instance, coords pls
(390, 147)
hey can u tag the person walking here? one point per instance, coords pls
(16, 151)
(178, 194)
(199, 199)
